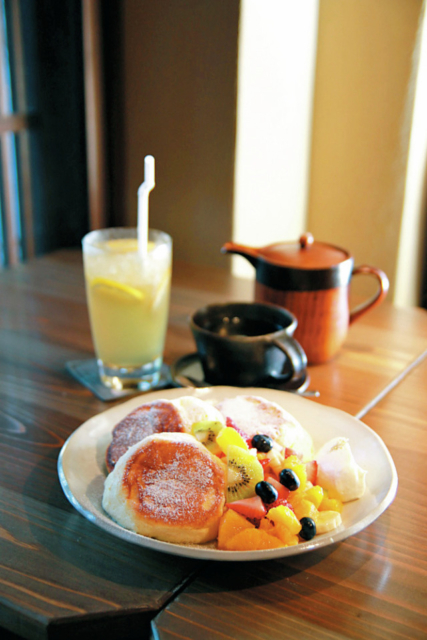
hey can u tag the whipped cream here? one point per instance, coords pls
(338, 471)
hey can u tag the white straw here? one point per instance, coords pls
(143, 193)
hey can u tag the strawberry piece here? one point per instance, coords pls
(251, 508)
(281, 490)
(311, 470)
(230, 423)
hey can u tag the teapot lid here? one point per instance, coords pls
(305, 254)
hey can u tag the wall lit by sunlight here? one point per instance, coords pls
(412, 244)
(277, 54)
(361, 125)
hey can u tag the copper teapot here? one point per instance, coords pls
(312, 280)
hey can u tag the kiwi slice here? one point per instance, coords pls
(206, 432)
(243, 473)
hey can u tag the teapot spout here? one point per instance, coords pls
(249, 253)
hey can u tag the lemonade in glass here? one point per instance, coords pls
(128, 299)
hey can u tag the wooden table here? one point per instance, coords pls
(62, 577)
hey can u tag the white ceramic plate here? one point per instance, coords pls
(82, 471)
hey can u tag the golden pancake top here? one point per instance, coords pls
(174, 480)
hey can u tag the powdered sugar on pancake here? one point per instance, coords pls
(149, 418)
(158, 417)
(167, 486)
(253, 414)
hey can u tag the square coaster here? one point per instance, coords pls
(86, 372)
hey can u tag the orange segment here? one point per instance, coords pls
(266, 525)
(284, 535)
(252, 540)
(231, 524)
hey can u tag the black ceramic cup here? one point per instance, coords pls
(247, 344)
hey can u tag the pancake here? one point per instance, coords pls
(253, 414)
(152, 417)
(158, 417)
(168, 486)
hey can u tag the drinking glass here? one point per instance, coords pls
(128, 300)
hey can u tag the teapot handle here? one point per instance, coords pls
(377, 298)
(297, 357)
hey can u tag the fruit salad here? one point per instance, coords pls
(273, 497)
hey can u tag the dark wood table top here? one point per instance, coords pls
(373, 585)
(61, 576)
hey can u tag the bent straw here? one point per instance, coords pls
(143, 193)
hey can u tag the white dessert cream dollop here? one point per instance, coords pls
(338, 471)
(192, 410)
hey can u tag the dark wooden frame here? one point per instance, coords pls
(16, 124)
(95, 116)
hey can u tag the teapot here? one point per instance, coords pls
(312, 280)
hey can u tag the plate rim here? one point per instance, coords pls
(201, 552)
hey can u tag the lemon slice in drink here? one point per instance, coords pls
(113, 287)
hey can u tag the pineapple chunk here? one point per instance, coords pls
(282, 515)
(228, 436)
(330, 504)
(295, 497)
(306, 509)
(294, 463)
(315, 495)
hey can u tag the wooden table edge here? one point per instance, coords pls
(391, 385)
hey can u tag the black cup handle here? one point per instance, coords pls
(297, 357)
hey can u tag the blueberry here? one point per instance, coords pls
(308, 530)
(266, 492)
(262, 443)
(289, 479)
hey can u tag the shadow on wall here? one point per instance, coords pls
(179, 105)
